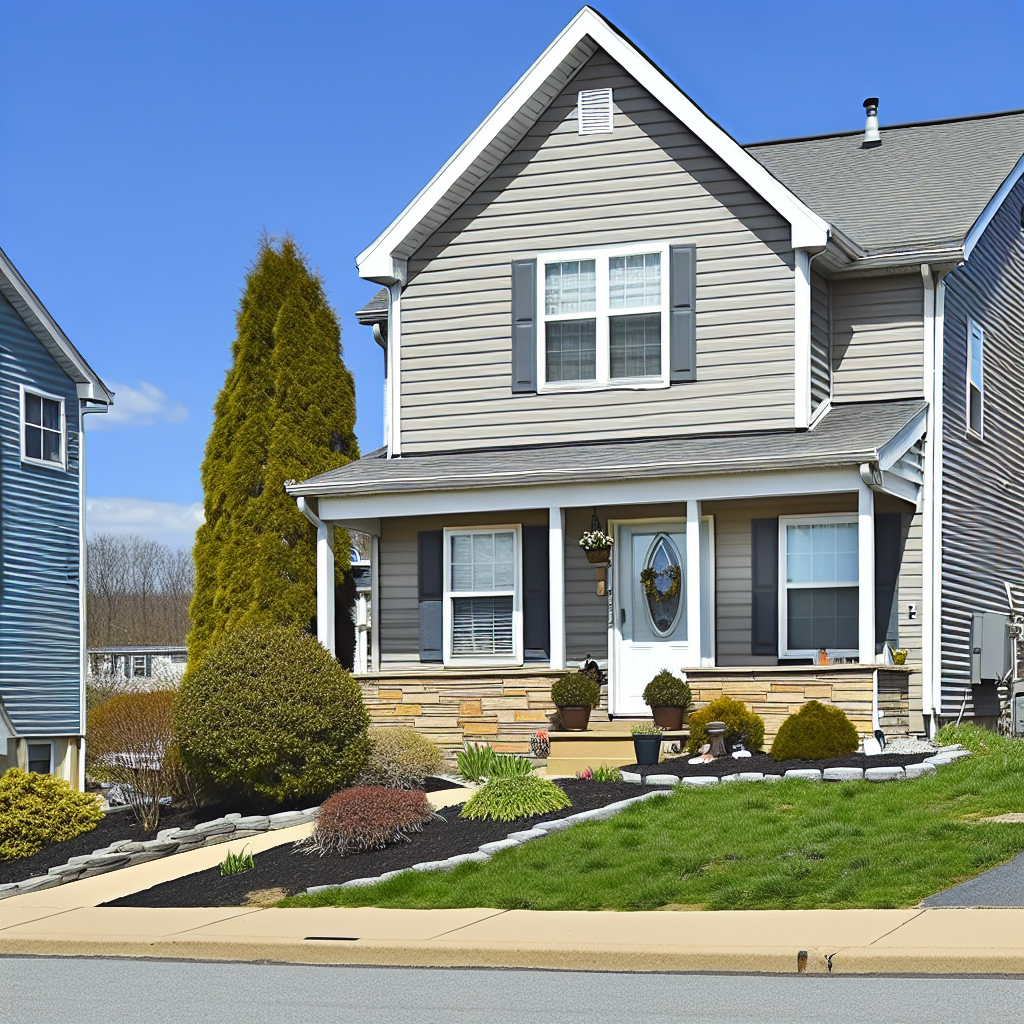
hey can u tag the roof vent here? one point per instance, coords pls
(872, 137)
(594, 111)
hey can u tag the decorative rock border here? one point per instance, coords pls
(487, 850)
(124, 853)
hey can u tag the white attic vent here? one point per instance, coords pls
(594, 111)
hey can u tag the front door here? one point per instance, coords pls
(649, 608)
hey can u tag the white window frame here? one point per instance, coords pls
(602, 312)
(480, 661)
(39, 743)
(784, 586)
(58, 466)
(974, 328)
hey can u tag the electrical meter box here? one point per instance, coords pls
(990, 648)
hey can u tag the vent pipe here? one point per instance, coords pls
(872, 137)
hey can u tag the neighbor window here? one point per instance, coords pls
(42, 436)
(140, 668)
(604, 318)
(819, 605)
(481, 596)
(40, 758)
(975, 377)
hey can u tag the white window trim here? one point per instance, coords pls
(61, 466)
(972, 326)
(454, 661)
(39, 743)
(604, 381)
(784, 586)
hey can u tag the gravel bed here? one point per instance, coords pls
(763, 763)
(291, 871)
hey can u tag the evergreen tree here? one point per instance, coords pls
(287, 411)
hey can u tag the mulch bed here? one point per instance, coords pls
(764, 764)
(122, 825)
(292, 871)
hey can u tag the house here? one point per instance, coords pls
(46, 387)
(160, 663)
(785, 377)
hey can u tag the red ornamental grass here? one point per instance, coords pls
(368, 818)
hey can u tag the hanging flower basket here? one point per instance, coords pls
(599, 555)
(598, 546)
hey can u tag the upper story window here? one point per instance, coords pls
(43, 429)
(975, 378)
(604, 318)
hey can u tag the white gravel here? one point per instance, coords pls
(905, 745)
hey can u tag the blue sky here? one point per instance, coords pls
(147, 144)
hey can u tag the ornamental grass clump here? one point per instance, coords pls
(478, 762)
(367, 818)
(815, 732)
(39, 810)
(741, 725)
(575, 690)
(511, 797)
(400, 758)
(667, 690)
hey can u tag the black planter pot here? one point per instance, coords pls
(647, 749)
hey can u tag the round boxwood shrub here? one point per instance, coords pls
(39, 810)
(816, 731)
(742, 726)
(667, 690)
(270, 715)
(575, 690)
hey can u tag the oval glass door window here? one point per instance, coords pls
(663, 560)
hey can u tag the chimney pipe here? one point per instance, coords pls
(872, 137)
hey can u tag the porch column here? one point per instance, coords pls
(374, 616)
(693, 580)
(325, 585)
(866, 572)
(556, 585)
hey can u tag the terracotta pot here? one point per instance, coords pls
(668, 716)
(599, 555)
(574, 719)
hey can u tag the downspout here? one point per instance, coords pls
(324, 575)
(394, 370)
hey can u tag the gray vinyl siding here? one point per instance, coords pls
(982, 515)
(821, 340)
(877, 337)
(40, 659)
(649, 180)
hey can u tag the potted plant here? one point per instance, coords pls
(597, 544)
(646, 743)
(899, 656)
(575, 695)
(668, 697)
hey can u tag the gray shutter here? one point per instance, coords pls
(536, 621)
(524, 325)
(764, 586)
(888, 551)
(682, 313)
(430, 584)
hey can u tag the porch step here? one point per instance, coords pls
(610, 746)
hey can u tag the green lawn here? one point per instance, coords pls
(752, 845)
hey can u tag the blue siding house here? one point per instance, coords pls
(45, 388)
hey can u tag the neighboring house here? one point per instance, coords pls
(45, 388)
(788, 375)
(162, 663)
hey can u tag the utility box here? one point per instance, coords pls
(1018, 714)
(990, 648)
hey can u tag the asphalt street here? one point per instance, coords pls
(41, 990)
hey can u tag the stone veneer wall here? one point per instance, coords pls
(503, 709)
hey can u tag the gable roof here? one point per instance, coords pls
(922, 189)
(37, 318)
(498, 134)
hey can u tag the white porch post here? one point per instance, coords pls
(693, 580)
(556, 585)
(866, 572)
(374, 617)
(325, 585)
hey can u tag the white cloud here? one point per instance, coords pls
(165, 521)
(138, 407)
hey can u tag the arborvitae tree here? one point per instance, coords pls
(287, 411)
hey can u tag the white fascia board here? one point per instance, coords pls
(893, 450)
(979, 226)
(342, 509)
(809, 231)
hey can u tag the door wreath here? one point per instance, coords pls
(649, 578)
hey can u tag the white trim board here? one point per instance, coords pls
(992, 208)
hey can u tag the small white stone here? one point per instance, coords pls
(40, 882)
(735, 777)
(884, 774)
(232, 817)
(430, 865)
(751, 777)
(477, 857)
(916, 771)
(662, 780)
(635, 777)
(842, 774)
(558, 825)
(525, 837)
(742, 753)
(810, 774)
(501, 844)
(871, 746)
(700, 780)
(772, 778)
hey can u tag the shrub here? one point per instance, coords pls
(481, 762)
(576, 690)
(368, 818)
(39, 810)
(522, 796)
(741, 725)
(236, 863)
(667, 690)
(400, 758)
(645, 729)
(131, 743)
(270, 714)
(816, 731)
